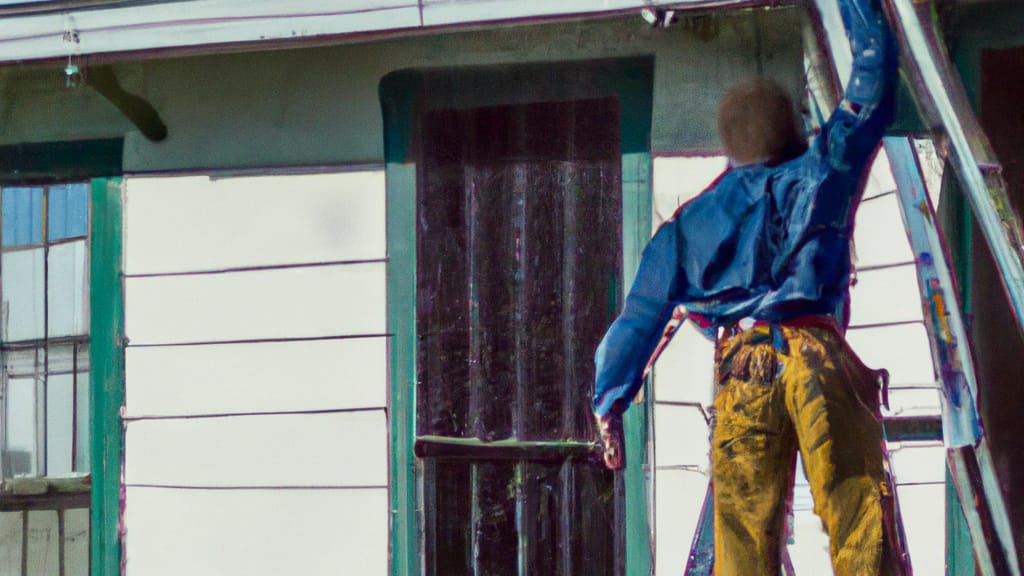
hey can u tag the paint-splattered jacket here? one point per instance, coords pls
(765, 242)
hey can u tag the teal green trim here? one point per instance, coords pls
(959, 548)
(401, 279)
(57, 161)
(106, 376)
(636, 231)
(965, 249)
(959, 552)
(632, 82)
(398, 91)
(956, 221)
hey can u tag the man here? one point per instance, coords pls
(762, 257)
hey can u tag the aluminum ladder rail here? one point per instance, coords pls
(968, 455)
(939, 93)
(941, 97)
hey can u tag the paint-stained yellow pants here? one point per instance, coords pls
(811, 393)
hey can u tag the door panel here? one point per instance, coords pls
(518, 275)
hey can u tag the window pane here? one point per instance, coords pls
(807, 542)
(880, 179)
(62, 358)
(82, 423)
(60, 411)
(682, 435)
(880, 237)
(923, 509)
(913, 401)
(920, 474)
(23, 289)
(22, 216)
(10, 542)
(68, 290)
(20, 428)
(677, 180)
(43, 543)
(685, 370)
(902, 350)
(885, 295)
(23, 362)
(918, 462)
(67, 211)
(76, 542)
(679, 496)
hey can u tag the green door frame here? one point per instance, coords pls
(631, 81)
(106, 376)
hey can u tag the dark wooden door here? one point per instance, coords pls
(518, 273)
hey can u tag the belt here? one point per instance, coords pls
(777, 339)
(809, 321)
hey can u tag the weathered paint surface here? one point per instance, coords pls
(107, 376)
(320, 105)
(48, 31)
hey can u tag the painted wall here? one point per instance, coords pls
(255, 370)
(256, 434)
(320, 105)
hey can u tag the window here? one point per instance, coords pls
(45, 330)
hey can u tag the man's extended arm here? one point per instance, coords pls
(868, 105)
(632, 338)
(623, 353)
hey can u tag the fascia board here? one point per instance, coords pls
(195, 23)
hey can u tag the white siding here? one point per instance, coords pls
(256, 376)
(256, 532)
(347, 449)
(253, 221)
(307, 302)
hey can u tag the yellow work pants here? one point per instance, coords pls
(811, 393)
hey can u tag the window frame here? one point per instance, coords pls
(98, 491)
(62, 490)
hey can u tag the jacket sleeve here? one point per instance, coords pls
(632, 338)
(857, 125)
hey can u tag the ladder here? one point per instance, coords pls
(941, 98)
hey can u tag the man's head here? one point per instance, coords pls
(756, 123)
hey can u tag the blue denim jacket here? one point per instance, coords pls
(767, 242)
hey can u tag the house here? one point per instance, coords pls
(313, 287)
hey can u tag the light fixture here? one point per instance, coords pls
(658, 17)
